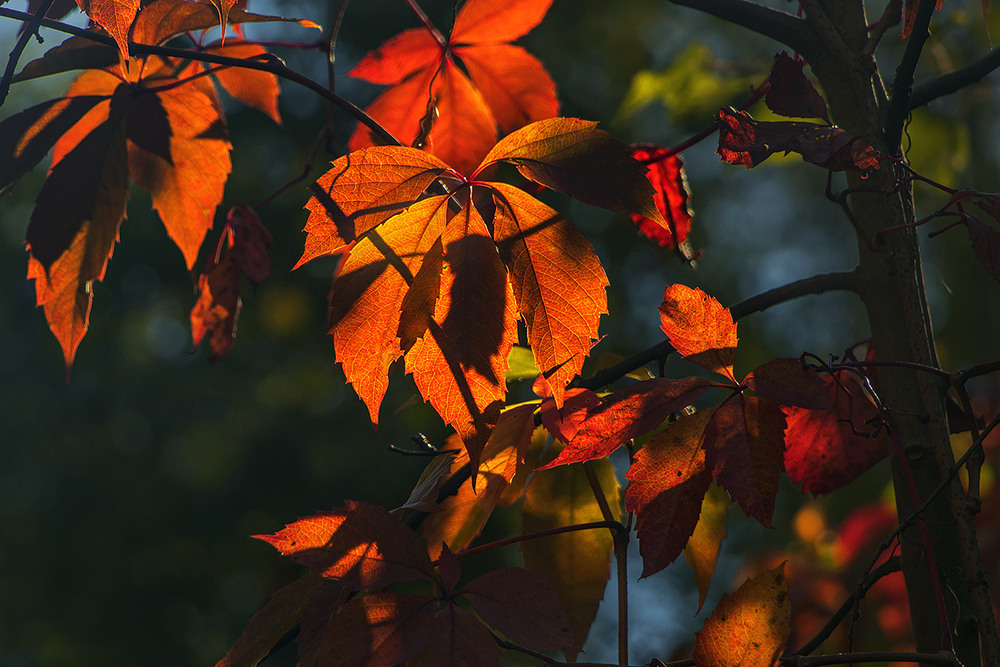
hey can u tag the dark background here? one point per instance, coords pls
(128, 495)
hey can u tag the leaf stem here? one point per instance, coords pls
(614, 526)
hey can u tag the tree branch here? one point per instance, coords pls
(29, 29)
(946, 84)
(902, 86)
(272, 66)
(779, 26)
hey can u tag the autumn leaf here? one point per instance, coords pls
(822, 450)
(253, 88)
(667, 482)
(748, 627)
(524, 606)
(578, 562)
(505, 85)
(744, 450)
(670, 194)
(985, 245)
(787, 382)
(699, 328)
(702, 549)
(245, 241)
(457, 637)
(115, 16)
(161, 20)
(543, 254)
(563, 422)
(361, 545)
(791, 93)
(629, 413)
(743, 140)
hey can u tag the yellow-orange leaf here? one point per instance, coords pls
(460, 364)
(115, 16)
(489, 21)
(558, 283)
(749, 627)
(573, 156)
(368, 293)
(362, 190)
(699, 328)
(703, 546)
(163, 19)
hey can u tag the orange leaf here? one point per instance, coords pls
(508, 85)
(702, 549)
(163, 19)
(490, 22)
(187, 180)
(667, 483)
(362, 546)
(514, 84)
(251, 87)
(563, 422)
(115, 16)
(558, 283)
(744, 449)
(460, 364)
(572, 156)
(74, 226)
(699, 328)
(629, 413)
(361, 191)
(218, 307)
(750, 626)
(368, 293)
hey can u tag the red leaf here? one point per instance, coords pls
(564, 422)
(558, 283)
(458, 638)
(629, 413)
(822, 451)
(786, 382)
(514, 84)
(523, 605)
(670, 196)
(744, 449)
(748, 627)
(218, 307)
(699, 328)
(743, 140)
(668, 481)
(791, 93)
(362, 546)
(250, 243)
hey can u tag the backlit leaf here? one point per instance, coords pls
(460, 365)
(163, 19)
(558, 283)
(699, 328)
(629, 413)
(362, 190)
(424, 495)
(667, 482)
(218, 307)
(666, 174)
(564, 422)
(522, 605)
(73, 53)
(508, 86)
(744, 450)
(361, 545)
(251, 87)
(573, 156)
(578, 562)
(748, 627)
(368, 292)
(115, 16)
(702, 549)
(521, 364)
(822, 451)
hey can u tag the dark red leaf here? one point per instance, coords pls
(564, 422)
(986, 246)
(250, 243)
(787, 382)
(743, 140)
(791, 93)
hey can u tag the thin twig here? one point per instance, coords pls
(946, 84)
(29, 31)
(779, 26)
(902, 86)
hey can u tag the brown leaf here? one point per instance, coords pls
(787, 382)
(791, 93)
